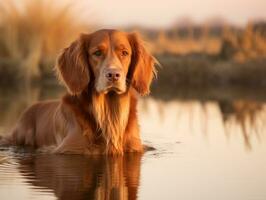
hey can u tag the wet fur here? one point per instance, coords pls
(85, 121)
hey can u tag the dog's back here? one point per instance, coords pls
(35, 127)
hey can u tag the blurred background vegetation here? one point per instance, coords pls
(31, 35)
(211, 53)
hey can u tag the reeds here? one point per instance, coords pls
(223, 40)
(32, 33)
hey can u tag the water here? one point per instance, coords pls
(208, 146)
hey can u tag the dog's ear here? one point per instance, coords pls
(73, 65)
(141, 70)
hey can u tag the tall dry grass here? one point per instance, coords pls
(223, 40)
(32, 33)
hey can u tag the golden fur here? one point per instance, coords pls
(98, 115)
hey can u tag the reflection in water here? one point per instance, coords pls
(195, 133)
(246, 115)
(79, 177)
(231, 117)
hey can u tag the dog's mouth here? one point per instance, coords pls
(104, 88)
(113, 89)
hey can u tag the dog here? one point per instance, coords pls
(104, 73)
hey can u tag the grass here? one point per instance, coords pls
(225, 41)
(32, 33)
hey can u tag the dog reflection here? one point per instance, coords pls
(78, 177)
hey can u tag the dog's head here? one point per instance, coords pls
(112, 60)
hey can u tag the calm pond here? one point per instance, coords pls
(208, 146)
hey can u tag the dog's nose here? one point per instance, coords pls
(113, 75)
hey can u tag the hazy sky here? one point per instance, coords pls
(167, 12)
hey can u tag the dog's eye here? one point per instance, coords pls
(97, 53)
(124, 53)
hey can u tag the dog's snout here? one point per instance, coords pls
(113, 75)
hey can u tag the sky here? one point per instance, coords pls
(163, 13)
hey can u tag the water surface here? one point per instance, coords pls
(207, 147)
